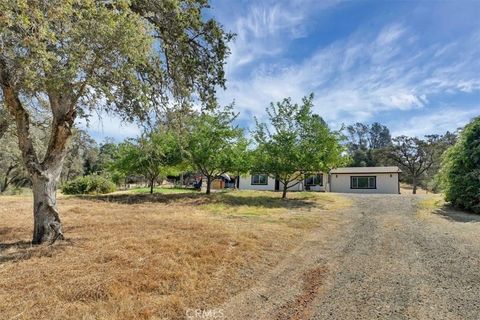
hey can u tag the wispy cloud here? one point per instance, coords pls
(437, 121)
(370, 69)
(357, 78)
(266, 28)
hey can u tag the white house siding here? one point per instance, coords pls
(301, 186)
(245, 183)
(386, 183)
(297, 187)
(323, 187)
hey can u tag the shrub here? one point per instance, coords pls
(88, 185)
(460, 173)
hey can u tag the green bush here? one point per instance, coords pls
(460, 173)
(88, 185)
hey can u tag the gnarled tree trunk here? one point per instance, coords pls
(44, 174)
(47, 224)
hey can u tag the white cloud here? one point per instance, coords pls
(390, 34)
(266, 28)
(436, 121)
(358, 78)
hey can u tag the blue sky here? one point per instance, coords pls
(411, 65)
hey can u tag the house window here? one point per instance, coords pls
(314, 180)
(363, 182)
(259, 179)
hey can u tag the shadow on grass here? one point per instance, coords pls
(225, 198)
(24, 250)
(14, 251)
(15, 245)
(457, 215)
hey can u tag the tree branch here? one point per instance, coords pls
(64, 115)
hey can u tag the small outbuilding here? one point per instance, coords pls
(365, 180)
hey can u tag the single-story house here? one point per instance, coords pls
(365, 180)
(344, 180)
(261, 181)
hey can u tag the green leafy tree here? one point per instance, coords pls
(107, 153)
(299, 143)
(241, 158)
(415, 156)
(151, 156)
(430, 179)
(460, 172)
(82, 154)
(213, 143)
(72, 57)
(366, 143)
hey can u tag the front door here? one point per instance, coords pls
(277, 185)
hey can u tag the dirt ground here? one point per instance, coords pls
(130, 256)
(391, 258)
(243, 256)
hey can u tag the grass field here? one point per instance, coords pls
(406, 188)
(163, 190)
(140, 256)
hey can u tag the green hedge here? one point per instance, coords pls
(460, 173)
(88, 185)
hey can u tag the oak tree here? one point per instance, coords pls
(366, 143)
(75, 57)
(415, 156)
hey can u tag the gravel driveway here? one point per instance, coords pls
(381, 260)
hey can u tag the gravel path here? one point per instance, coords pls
(382, 261)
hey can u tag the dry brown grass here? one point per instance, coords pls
(147, 257)
(406, 188)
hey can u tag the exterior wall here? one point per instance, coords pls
(324, 186)
(246, 184)
(301, 186)
(298, 187)
(386, 183)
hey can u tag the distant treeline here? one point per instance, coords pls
(209, 144)
(371, 145)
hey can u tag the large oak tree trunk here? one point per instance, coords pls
(44, 174)
(47, 224)
(414, 182)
